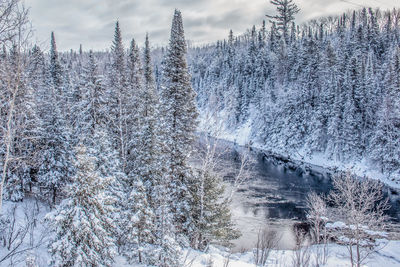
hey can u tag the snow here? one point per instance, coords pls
(39, 235)
(388, 256)
(336, 225)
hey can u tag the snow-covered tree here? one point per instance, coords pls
(360, 207)
(179, 107)
(287, 9)
(55, 65)
(140, 232)
(57, 153)
(119, 99)
(81, 222)
(210, 205)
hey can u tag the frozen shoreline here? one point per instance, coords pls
(319, 163)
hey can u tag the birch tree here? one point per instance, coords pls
(13, 31)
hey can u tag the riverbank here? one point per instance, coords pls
(318, 163)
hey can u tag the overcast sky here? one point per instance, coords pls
(91, 22)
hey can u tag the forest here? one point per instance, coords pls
(329, 87)
(103, 144)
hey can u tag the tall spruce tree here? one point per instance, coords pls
(55, 65)
(145, 170)
(135, 85)
(180, 111)
(120, 99)
(57, 154)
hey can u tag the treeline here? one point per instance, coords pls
(91, 134)
(331, 87)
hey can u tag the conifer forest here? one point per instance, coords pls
(275, 146)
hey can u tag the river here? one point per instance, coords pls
(275, 195)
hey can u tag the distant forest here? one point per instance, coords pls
(333, 87)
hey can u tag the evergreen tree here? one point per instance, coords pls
(145, 172)
(94, 84)
(26, 124)
(119, 99)
(180, 112)
(57, 154)
(107, 163)
(287, 9)
(81, 222)
(210, 212)
(135, 83)
(55, 66)
(140, 232)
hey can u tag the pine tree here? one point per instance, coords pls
(94, 84)
(25, 148)
(178, 99)
(148, 134)
(81, 222)
(57, 154)
(140, 232)
(385, 141)
(108, 164)
(167, 250)
(90, 102)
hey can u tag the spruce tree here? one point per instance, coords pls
(57, 154)
(119, 99)
(147, 169)
(140, 232)
(55, 66)
(81, 222)
(135, 85)
(210, 209)
(24, 120)
(178, 99)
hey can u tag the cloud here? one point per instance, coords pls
(91, 22)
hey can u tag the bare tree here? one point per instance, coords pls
(227, 259)
(13, 17)
(212, 151)
(17, 233)
(301, 255)
(266, 241)
(317, 217)
(360, 206)
(14, 32)
(243, 172)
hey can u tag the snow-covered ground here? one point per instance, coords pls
(338, 256)
(35, 253)
(388, 256)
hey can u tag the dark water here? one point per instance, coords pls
(275, 197)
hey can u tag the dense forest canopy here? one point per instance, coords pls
(333, 88)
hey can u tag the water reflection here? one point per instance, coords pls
(275, 197)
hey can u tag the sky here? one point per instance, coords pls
(91, 22)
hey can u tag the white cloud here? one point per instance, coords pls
(91, 22)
